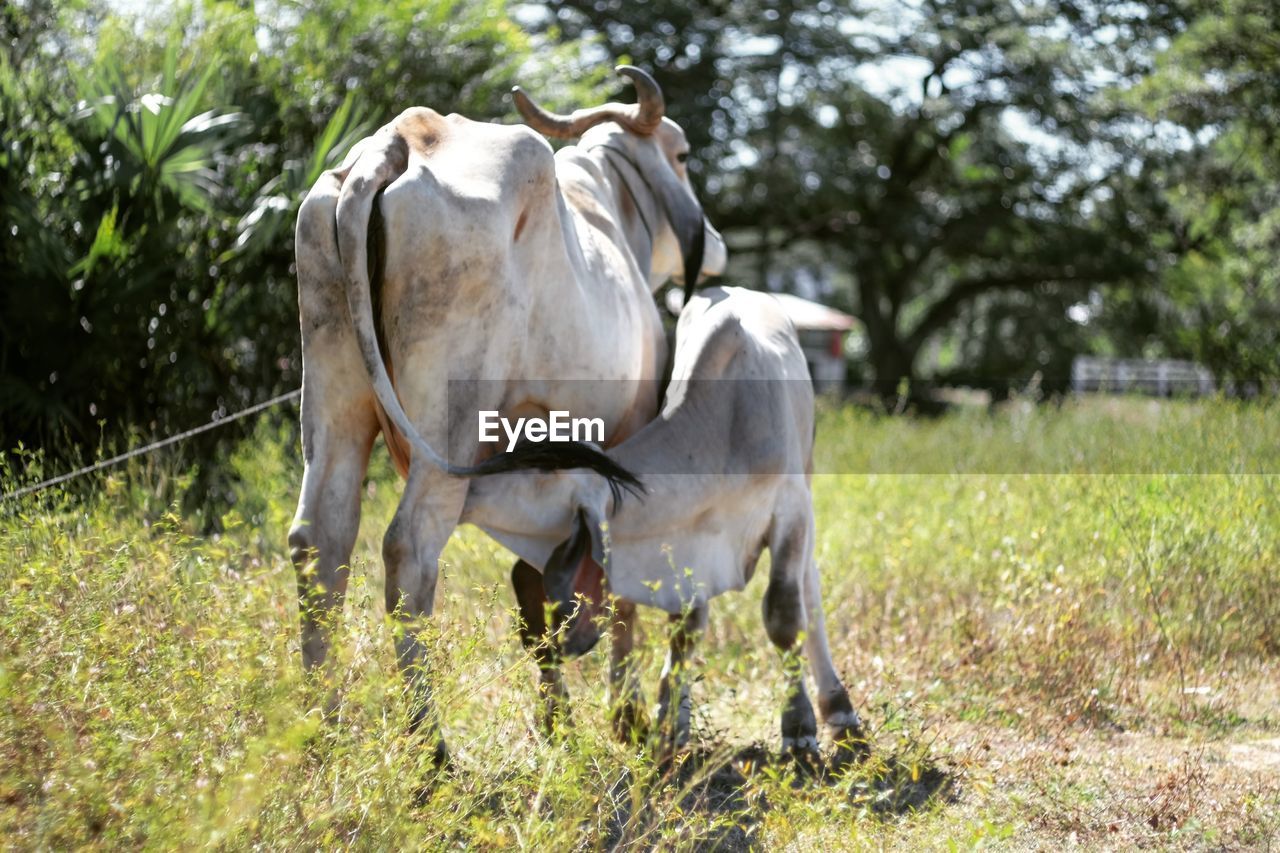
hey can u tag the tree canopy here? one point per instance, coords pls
(150, 173)
(966, 176)
(990, 186)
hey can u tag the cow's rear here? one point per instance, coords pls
(508, 277)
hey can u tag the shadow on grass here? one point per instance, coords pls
(724, 791)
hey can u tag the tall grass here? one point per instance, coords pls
(982, 584)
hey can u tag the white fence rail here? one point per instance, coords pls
(1157, 377)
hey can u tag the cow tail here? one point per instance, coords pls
(378, 165)
(384, 160)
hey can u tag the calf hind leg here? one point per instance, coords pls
(833, 697)
(675, 702)
(785, 622)
(531, 600)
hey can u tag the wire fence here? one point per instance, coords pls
(154, 446)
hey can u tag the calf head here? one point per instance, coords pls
(574, 584)
(654, 148)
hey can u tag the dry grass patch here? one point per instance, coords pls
(1041, 657)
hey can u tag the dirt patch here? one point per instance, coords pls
(1258, 755)
(1123, 790)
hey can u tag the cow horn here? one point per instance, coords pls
(641, 118)
(650, 106)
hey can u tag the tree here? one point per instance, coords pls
(149, 178)
(1216, 80)
(935, 158)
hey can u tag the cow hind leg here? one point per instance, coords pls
(337, 436)
(785, 621)
(428, 512)
(675, 702)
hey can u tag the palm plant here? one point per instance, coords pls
(141, 179)
(276, 205)
(161, 139)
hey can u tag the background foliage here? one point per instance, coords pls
(959, 175)
(991, 186)
(150, 173)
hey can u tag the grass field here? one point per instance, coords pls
(1062, 624)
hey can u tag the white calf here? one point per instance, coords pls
(726, 468)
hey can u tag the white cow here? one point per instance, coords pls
(726, 468)
(451, 266)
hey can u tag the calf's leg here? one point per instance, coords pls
(624, 698)
(833, 697)
(675, 704)
(531, 599)
(626, 703)
(785, 620)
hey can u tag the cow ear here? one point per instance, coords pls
(527, 583)
(558, 575)
(593, 521)
(689, 224)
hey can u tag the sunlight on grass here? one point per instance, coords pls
(151, 690)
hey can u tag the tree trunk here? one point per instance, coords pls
(891, 356)
(893, 367)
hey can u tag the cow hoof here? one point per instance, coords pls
(852, 747)
(629, 723)
(803, 755)
(441, 766)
